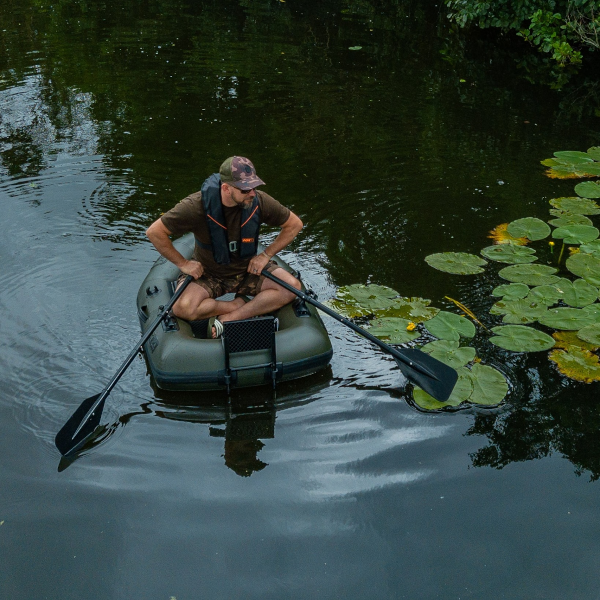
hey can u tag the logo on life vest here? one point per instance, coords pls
(247, 240)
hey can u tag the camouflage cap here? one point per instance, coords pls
(239, 172)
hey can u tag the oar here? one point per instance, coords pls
(86, 418)
(431, 375)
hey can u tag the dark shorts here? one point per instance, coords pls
(244, 284)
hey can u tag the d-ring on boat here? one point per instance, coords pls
(290, 343)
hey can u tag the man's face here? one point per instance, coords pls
(240, 198)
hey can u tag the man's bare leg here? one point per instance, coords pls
(195, 304)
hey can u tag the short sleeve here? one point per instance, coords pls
(272, 212)
(184, 216)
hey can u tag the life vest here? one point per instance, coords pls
(250, 224)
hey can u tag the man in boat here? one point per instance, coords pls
(225, 217)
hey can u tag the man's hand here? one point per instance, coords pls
(193, 268)
(257, 264)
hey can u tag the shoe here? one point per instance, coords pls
(218, 327)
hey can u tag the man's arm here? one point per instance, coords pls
(158, 234)
(289, 230)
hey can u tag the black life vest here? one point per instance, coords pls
(250, 224)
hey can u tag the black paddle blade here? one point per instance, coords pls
(68, 439)
(442, 380)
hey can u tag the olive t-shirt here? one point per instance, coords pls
(188, 215)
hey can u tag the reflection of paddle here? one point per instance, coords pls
(431, 375)
(86, 418)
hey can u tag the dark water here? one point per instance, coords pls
(110, 113)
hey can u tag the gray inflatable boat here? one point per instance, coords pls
(285, 345)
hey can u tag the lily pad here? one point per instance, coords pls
(529, 274)
(519, 338)
(415, 309)
(450, 353)
(594, 152)
(577, 206)
(592, 247)
(458, 263)
(530, 227)
(590, 334)
(571, 319)
(562, 170)
(462, 391)
(363, 294)
(586, 266)
(511, 291)
(489, 385)
(545, 294)
(579, 293)
(588, 189)
(348, 310)
(573, 156)
(394, 330)
(577, 363)
(500, 235)
(566, 339)
(449, 326)
(576, 234)
(519, 311)
(508, 253)
(568, 219)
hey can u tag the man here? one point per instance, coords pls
(225, 217)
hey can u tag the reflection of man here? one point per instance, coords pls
(240, 456)
(225, 217)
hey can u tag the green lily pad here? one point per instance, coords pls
(449, 326)
(594, 152)
(529, 227)
(529, 274)
(590, 334)
(450, 353)
(394, 330)
(489, 385)
(519, 338)
(586, 266)
(568, 219)
(573, 156)
(348, 310)
(576, 234)
(588, 189)
(592, 247)
(571, 319)
(519, 311)
(415, 309)
(577, 363)
(458, 263)
(507, 253)
(577, 206)
(546, 294)
(462, 391)
(594, 311)
(511, 291)
(579, 293)
(572, 171)
(368, 296)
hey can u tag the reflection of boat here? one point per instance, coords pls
(290, 343)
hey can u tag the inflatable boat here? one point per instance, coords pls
(287, 344)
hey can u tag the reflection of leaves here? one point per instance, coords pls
(448, 326)
(519, 338)
(530, 274)
(393, 329)
(576, 234)
(509, 253)
(500, 235)
(519, 311)
(489, 385)
(450, 353)
(531, 228)
(458, 263)
(577, 363)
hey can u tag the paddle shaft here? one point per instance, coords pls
(111, 384)
(398, 354)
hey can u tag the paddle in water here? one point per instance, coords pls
(83, 422)
(431, 375)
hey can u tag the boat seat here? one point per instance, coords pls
(257, 333)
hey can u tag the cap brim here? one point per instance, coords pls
(247, 184)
